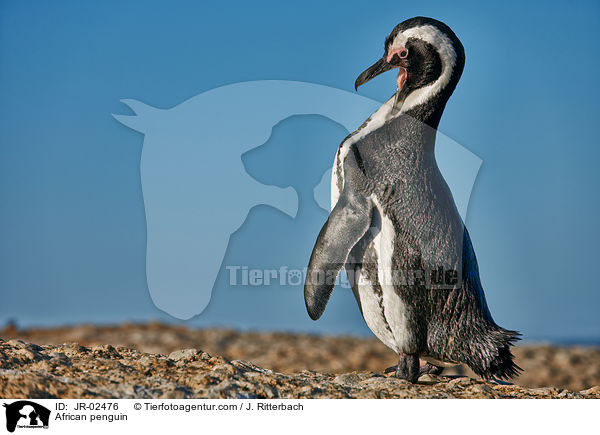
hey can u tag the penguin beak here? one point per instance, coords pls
(394, 59)
(379, 67)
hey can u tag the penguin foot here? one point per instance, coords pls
(430, 369)
(426, 369)
(407, 368)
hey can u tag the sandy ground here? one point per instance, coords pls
(574, 368)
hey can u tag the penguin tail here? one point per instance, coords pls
(497, 359)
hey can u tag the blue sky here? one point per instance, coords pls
(72, 219)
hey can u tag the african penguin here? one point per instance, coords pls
(394, 225)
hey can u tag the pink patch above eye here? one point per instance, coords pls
(402, 53)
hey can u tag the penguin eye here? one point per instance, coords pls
(404, 54)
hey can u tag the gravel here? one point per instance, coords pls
(161, 361)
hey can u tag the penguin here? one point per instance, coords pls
(395, 228)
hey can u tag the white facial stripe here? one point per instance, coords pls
(444, 47)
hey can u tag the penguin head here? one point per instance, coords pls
(429, 58)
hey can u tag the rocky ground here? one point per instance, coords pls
(147, 360)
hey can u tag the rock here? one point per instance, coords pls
(59, 358)
(70, 349)
(348, 379)
(23, 345)
(482, 389)
(463, 381)
(105, 351)
(182, 354)
(131, 361)
(429, 379)
(27, 354)
(591, 391)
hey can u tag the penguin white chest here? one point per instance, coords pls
(382, 307)
(385, 307)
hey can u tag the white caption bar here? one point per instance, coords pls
(149, 416)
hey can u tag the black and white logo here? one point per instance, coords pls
(25, 414)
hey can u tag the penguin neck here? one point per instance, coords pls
(419, 121)
(430, 112)
(427, 116)
(424, 121)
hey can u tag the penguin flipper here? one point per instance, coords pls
(348, 222)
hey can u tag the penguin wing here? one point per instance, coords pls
(348, 222)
